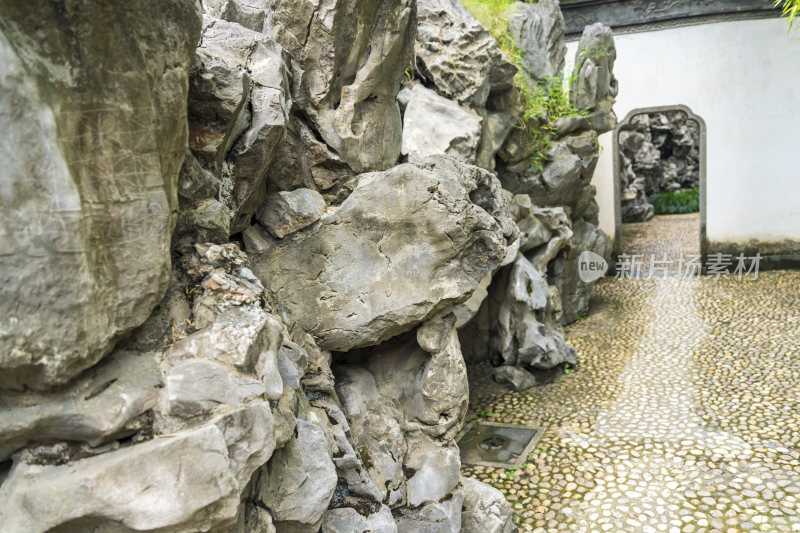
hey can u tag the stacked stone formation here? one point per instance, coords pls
(660, 152)
(290, 303)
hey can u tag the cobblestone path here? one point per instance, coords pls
(683, 415)
(663, 234)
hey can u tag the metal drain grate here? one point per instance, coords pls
(498, 445)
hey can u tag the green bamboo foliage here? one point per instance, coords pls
(791, 10)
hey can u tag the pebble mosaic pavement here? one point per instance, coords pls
(683, 415)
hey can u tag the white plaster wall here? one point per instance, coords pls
(743, 79)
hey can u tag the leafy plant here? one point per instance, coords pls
(791, 10)
(480, 414)
(567, 369)
(677, 202)
(543, 450)
(543, 102)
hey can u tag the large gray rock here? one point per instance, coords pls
(538, 31)
(436, 472)
(533, 230)
(244, 336)
(286, 212)
(365, 274)
(299, 480)
(405, 401)
(565, 180)
(485, 509)
(99, 407)
(555, 224)
(433, 125)
(94, 132)
(202, 216)
(303, 161)
(348, 520)
(251, 14)
(377, 428)
(497, 125)
(575, 293)
(197, 387)
(596, 87)
(239, 105)
(457, 55)
(250, 437)
(181, 484)
(440, 517)
(349, 59)
(517, 378)
(236, 333)
(527, 328)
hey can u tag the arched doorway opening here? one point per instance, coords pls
(658, 150)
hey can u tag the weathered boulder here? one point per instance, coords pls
(575, 293)
(133, 488)
(376, 426)
(436, 472)
(286, 212)
(236, 332)
(303, 161)
(596, 87)
(202, 217)
(497, 125)
(553, 222)
(515, 377)
(99, 407)
(206, 221)
(250, 438)
(365, 273)
(348, 520)
(485, 509)
(527, 330)
(94, 129)
(252, 14)
(405, 401)
(534, 232)
(440, 517)
(457, 55)
(239, 106)
(538, 31)
(299, 481)
(565, 179)
(197, 387)
(348, 61)
(434, 125)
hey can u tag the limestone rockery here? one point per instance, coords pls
(245, 245)
(658, 152)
